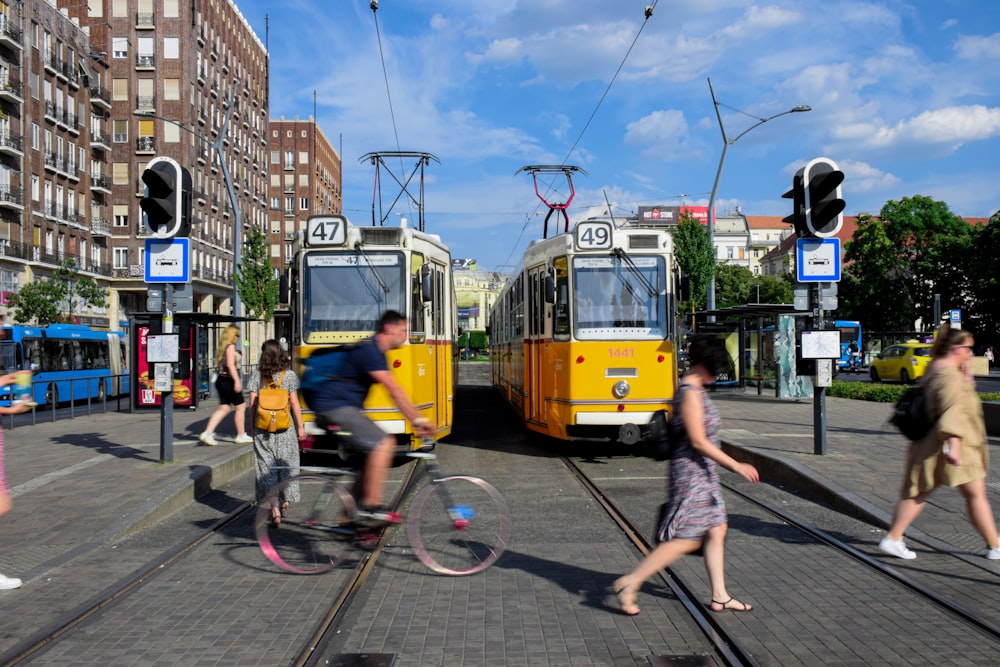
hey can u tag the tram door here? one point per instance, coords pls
(534, 350)
(441, 350)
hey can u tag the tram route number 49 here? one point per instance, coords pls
(593, 235)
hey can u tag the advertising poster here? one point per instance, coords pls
(148, 396)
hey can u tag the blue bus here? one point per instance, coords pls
(69, 362)
(850, 331)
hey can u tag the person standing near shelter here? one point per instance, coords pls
(227, 365)
(989, 356)
(695, 516)
(7, 583)
(954, 452)
(276, 455)
(341, 401)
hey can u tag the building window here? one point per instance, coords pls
(289, 160)
(121, 215)
(119, 47)
(120, 258)
(303, 203)
(120, 133)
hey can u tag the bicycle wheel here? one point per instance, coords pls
(458, 525)
(315, 530)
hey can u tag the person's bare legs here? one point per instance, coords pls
(216, 418)
(627, 587)
(376, 472)
(241, 421)
(715, 565)
(979, 510)
(907, 510)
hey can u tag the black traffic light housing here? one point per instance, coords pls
(824, 202)
(167, 200)
(798, 196)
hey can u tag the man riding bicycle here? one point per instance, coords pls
(340, 401)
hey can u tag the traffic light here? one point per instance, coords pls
(167, 201)
(798, 196)
(824, 203)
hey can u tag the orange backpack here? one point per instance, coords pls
(273, 410)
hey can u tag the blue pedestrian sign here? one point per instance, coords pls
(817, 260)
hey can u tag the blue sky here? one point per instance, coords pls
(905, 98)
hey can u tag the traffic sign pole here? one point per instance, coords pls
(167, 397)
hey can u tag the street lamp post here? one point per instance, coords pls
(726, 143)
(217, 147)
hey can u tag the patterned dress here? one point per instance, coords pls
(694, 496)
(275, 453)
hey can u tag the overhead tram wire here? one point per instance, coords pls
(648, 13)
(388, 94)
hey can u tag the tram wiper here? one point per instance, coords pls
(378, 277)
(634, 270)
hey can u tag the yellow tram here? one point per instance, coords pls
(583, 339)
(343, 277)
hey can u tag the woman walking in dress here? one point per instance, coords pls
(696, 513)
(276, 455)
(230, 388)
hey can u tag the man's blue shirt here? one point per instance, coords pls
(361, 360)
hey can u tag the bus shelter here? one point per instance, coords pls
(761, 339)
(192, 373)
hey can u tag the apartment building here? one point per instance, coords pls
(305, 179)
(90, 92)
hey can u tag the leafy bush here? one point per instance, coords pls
(881, 393)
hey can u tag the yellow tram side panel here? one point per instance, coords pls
(426, 373)
(578, 379)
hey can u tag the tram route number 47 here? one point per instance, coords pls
(326, 230)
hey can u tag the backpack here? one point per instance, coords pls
(662, 438)
(910, 414)
(322, 367)
(273, 410)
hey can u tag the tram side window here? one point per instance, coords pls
(416, 298)
(560, 324)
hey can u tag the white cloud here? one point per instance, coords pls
(950, 127)
(862, 177)
(662, 134)
(975, 47)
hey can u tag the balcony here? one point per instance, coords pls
(11, 197)
(12, 91)
(10, 34)
(100, 227)
(144, 21)
(145, 104)
(99, 141)
(99, 183)
(145, 62)
(11, 144)
(100, 97)
(50, 111)
(145, 145)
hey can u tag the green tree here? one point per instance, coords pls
(924, 233)
(734, 285)
(255, 280)
(695, 258)
(58, 298)
(984, 260)
(874, 276)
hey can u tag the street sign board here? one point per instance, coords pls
(828, 296)
(182, 302)
(168, 260)
(817, 260)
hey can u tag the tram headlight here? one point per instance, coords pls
(621, 389)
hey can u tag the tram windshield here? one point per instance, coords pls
(350, 291)
(619, 296)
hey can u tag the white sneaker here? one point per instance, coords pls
(243, 439)
(208, 439)
(993, 553)
(897, 548)
(7, 583)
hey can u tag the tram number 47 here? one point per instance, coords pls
(326, 230)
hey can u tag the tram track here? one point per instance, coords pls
(734, 648)
(124, 587)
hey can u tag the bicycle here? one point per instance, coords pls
(457, 525)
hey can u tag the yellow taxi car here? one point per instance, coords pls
(904, 362)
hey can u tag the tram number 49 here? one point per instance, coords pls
(593, 235)
(326, 230)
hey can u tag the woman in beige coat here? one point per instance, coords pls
(954, 453)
